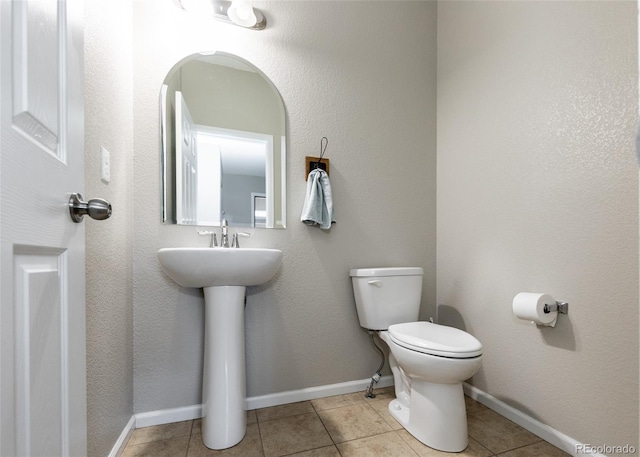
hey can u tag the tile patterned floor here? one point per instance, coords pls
(343, 426)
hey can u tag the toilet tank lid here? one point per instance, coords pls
(387, 271)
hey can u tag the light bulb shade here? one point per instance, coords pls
(241, 12)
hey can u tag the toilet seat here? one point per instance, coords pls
(434, 339)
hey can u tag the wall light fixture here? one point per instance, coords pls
(238, 12)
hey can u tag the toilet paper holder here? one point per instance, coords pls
(561, 307)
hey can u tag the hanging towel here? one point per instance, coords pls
(318, 203)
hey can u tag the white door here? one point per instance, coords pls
(186, 164)
(42, 292)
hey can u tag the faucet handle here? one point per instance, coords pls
(235, 239)
(214, 241)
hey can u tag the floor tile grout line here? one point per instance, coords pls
(482, 446)
(507, 450)
(130, 444)
(313, 406)
(326, 429)
(363, 437)
(264, 452)
(367, 436)
(285, 416)
(193, 424)
(519, 447)
(407, 443)
(312, 449)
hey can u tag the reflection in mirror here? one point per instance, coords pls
(223, 144)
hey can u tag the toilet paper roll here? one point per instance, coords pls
(530, 306)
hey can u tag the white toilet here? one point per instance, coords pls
(428, 361)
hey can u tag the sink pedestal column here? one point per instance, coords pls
(224, 420)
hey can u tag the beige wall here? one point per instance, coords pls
(538, 191)
(345, 72)
(109, 259)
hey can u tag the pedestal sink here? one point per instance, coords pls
(223, 273)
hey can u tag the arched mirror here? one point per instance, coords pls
(223, 144)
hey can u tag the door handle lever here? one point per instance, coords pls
(96, 208)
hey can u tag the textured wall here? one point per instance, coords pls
(538, 191)
(109, 259)
(363, 75)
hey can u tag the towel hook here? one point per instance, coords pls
(324, 141)
(317, 163)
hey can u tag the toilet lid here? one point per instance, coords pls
(435, 339)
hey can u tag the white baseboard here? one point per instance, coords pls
(551, 435)
(166, 416)
(118, 448)
(311, 393)
(184, 413)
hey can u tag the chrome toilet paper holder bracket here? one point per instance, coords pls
(561, 307)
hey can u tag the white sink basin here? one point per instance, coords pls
(212, 267)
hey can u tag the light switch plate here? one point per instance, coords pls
(105, 165)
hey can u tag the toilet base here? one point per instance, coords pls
(437, 415)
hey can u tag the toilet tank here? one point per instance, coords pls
(386, 296)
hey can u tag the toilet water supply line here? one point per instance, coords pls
(376, 377)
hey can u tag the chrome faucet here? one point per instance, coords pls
(224, 239)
